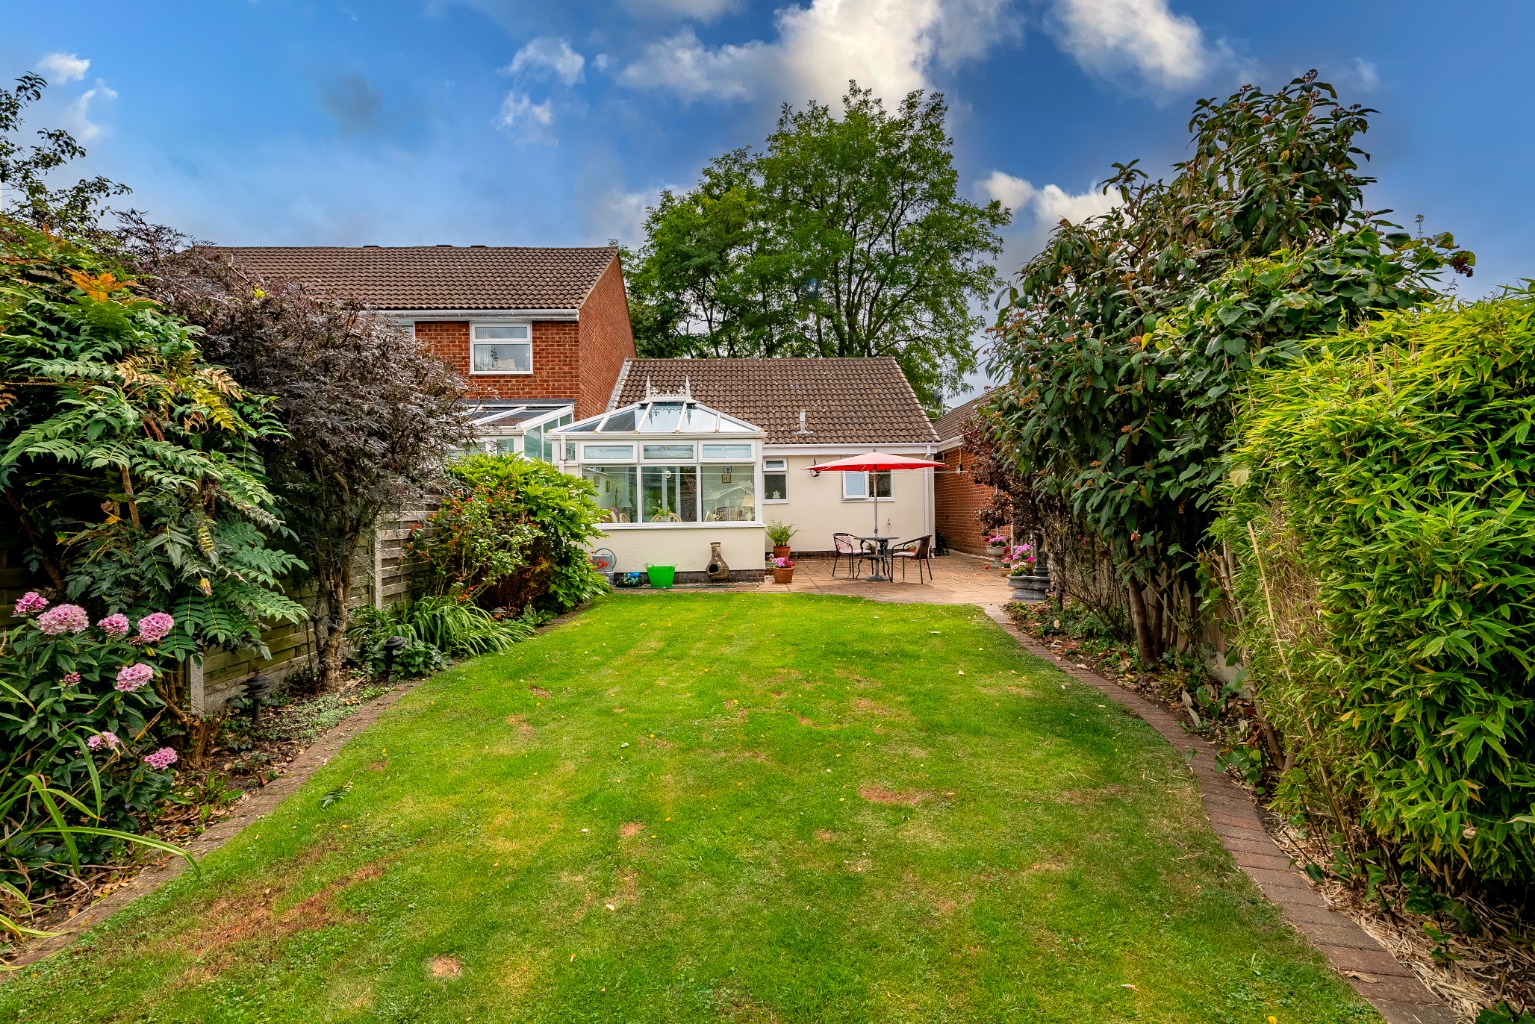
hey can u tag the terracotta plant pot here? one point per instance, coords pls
(780, 551)
(783, 575)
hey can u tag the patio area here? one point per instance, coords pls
(957, 579)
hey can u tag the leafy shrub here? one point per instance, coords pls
(77, 703)
(1129, 339)
(434, 629)
(1381, 510)
(512, 532)
(126, 460)
(367, 414)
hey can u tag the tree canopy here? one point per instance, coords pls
(842, 236)
(1128, 340)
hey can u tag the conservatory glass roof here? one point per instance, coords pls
(663, 414)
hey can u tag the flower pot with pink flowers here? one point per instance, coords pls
(783, 570)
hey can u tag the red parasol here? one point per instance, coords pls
(875, 462)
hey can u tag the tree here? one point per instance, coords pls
(841, 237)
(24, 191)
(1128, 340)
(369, 415)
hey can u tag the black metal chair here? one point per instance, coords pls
(917, 550)
(846, 545)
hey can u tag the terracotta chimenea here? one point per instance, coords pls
(718, 571)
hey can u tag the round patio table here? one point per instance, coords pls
(882, 544)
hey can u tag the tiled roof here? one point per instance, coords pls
(438, 276)
(846, 401)
(952, 423)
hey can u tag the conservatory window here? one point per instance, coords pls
(669, 494)
(729, 493)
(668, 452)
(501, 348)
(607, 452)
(735, 452)
(615, 492)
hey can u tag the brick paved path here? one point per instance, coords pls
(1391, 987)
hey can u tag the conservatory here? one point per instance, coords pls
(522, 427)
(673, 478)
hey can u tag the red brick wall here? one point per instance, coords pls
(956, 500)
(606, 340)
(556, 362)
(571, 361)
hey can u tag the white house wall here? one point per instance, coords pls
(816, 508)
(685, 545)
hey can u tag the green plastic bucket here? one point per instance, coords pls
(661, 575)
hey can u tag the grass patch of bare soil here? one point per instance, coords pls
(246, 757)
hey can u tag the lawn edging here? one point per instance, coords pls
(1390, 986)
(242, 814)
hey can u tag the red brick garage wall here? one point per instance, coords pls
(956, 500)
(556, 361)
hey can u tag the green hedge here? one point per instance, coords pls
(1382, 504)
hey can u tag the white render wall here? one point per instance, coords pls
(684, 545)
(816, 509)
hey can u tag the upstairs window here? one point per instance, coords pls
(501, 348)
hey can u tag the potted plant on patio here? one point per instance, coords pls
(783, 569)
(1028, 578)
(996, 547)
(779, 534)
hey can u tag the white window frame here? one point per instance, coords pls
(599, 458)
(474, 327)
(868, 480)
(775, 466)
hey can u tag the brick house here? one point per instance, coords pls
(956, 496)
(693, 452)
(538, 335)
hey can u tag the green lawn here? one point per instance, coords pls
(720, 807)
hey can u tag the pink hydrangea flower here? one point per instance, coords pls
(131, 677)
(115, 626)
(30, 602)
(103, 739)
(71, 679)
(65, 618)
(161, 759)
(155, 627)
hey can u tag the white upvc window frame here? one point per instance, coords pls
(474, 340)
(868, 481)
(782, 468)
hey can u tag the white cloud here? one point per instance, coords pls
(620, 214)
(1048, 206)
(889, 46)
(77, 119)
(532, 121)
(698, 10)
(545, 56)
(1359, 74)
(59, 68)
(1167, 51)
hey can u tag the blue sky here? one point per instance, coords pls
(550, 123)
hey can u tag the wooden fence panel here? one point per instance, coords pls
(383, 575)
